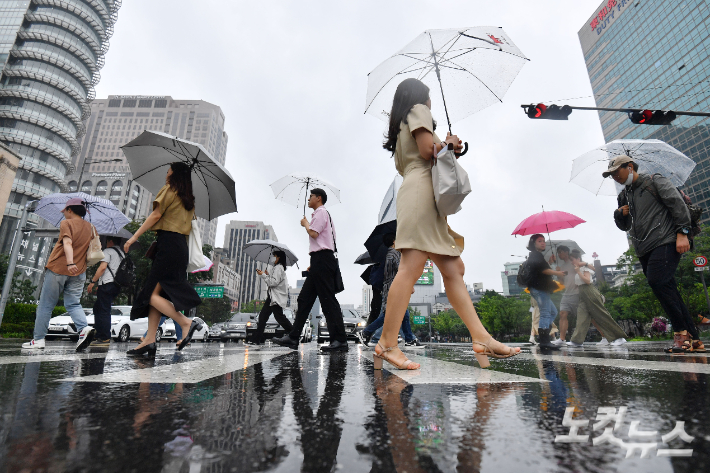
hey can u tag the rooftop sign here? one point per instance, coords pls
(604, 16)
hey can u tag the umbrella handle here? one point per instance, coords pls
(465, 150)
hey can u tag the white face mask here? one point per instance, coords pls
(630, 179)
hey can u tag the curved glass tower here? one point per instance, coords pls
(51, 51)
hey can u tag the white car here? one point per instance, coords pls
(124, 329)
(168, 331)
(62, 326)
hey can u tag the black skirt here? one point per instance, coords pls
(170, 270)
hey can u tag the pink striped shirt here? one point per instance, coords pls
(321, 223)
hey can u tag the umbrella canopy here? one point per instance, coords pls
(553, 245)
(262, 250)
(208, 265)
(365, 276)
(122, 233)
(364, 259)
(100, 212)
(466, 70)
(374, 243)
(652, 156)
(150, 156)
(294, 189)
(388, 209)
(546, 222)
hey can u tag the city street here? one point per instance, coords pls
(223, 408)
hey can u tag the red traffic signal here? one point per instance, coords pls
(553, 112)
(647, 117)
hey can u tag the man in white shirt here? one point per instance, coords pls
(107, 290)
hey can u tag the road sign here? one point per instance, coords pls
(210, 291)
(419, 319)
(703, 268)
(700, 261)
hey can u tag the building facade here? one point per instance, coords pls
(101, 169)
(366, 299)
(51, 53)
(653, 55)
(236, 234)
(509, 277)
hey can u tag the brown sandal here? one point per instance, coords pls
(482, 357)
(405, 365)
(679, 343)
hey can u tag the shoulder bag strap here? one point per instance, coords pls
(332, 231)
(108, 266)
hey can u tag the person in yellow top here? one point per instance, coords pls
(166, 290)
(421, 232)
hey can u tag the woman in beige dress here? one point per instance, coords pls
(421, 232)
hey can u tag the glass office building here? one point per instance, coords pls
(653, 54)
(51, 53)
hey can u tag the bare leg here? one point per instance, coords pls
(167, 308)
(410, 269)
(564, 324)
(452, 270)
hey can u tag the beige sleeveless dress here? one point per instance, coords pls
(419, 225)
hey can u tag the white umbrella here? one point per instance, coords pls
(388, 209)
(652, 156)
(150, 156)
(262, 250)
(295, 188)
(102, 213)
(208, 265)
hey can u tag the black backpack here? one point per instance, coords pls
(525, 275)
(126, 272)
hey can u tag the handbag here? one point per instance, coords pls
(194, 245)
(450, 181)
(339, 286)
(94, 253)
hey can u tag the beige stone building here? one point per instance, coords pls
(8, 168)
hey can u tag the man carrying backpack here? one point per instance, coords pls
(107, 290)
(656, 218)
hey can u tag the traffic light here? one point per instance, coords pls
(553, 112)
(647, 117)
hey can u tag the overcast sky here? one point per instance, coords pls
(291, 79)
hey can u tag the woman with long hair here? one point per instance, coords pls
(421, 232)
(542, 286)
(276, 299)
(166, 290)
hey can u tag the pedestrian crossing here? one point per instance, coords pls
(199, 364)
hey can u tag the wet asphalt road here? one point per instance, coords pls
(222, 408)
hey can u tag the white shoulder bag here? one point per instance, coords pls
(450, 180)
(94, 253)
(194, 246)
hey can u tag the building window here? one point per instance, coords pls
(145, 103)
(161, 103)
(72, 186)
(129, 103)
(116, 189)
(86, 187)
(114, 103)
(101, 189)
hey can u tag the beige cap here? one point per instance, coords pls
(616, 163)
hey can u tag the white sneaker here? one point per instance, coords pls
(85, 337)
(558, 342)
(603, 342)
(618, 341)
(34, 344)
(532, 340)
(574, 345)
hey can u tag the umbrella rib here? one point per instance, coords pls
(388, 81)
(150, 170)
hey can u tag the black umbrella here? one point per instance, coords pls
(374, 243)
(364, 259)
(365, 276)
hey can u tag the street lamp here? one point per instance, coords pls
(81, 174)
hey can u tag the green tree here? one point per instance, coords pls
(252, 307)
(214, 310)
(504, 316)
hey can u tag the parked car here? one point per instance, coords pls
(124, 329)
(273, 329)
(236, 327)
(62, 326)
(351, 319)
(215, 332)
(167, 331)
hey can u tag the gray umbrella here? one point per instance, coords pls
(553, 245)
(262, 250)
(150, 156)
(364, 259)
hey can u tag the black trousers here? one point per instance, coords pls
(105, 294)
(375, 306)
(320, 283)
(264, 315)
(659, 266)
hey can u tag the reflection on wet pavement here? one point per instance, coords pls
(223, 408)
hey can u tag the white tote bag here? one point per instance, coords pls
(451, 184)
(194, 246)
(94, 253)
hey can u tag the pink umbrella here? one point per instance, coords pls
(546, 222)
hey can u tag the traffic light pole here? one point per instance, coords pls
(628, 110)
